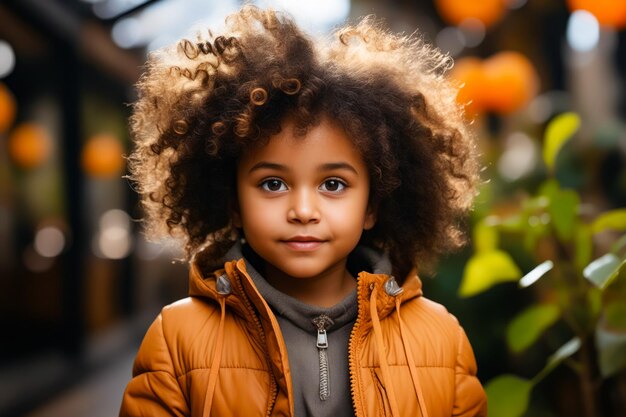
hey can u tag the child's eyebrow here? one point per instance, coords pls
(331, 166)
(267, 165)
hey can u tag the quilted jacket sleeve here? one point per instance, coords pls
(470, 399)
(154, 390)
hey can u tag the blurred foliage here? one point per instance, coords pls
(570, 287)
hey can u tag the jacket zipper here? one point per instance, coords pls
(257, 322)
(352, 348)
(322, 323)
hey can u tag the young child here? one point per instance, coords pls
(309, 181)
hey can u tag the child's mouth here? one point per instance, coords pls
(303, 243)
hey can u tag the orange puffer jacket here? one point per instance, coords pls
(220, 352)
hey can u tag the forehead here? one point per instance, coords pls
(323, 143)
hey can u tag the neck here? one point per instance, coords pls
(324, 290)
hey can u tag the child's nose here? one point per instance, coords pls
(303, 207)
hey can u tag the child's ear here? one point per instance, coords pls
(370, 219)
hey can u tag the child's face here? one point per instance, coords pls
(303, 201)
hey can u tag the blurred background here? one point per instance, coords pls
(540, 290)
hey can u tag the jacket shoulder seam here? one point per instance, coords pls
(155, 371)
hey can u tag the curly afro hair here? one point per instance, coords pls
(203, 103)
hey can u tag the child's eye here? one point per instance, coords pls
(273, 185)
(333, 185)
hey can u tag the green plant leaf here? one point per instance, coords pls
(526, 328)
(534, 275)
(563, 210)
(611, 347)
(484, 270)
(547, 191)
(564, 352)
(562, 207)
(508, 396)
(615, 315)
(603, 270)
(594, 302)
(533, 234)
(558, 132)
(613, 219)
(583, 246)
(486, 235)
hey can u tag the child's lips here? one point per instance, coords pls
(303, 243)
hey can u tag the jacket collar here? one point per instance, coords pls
(234, 283)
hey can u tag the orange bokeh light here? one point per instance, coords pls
(512, 82)
(611, 13)
(8, 108)
(102, 156)
(468, 72)
(503, 83)
(29, 145)
(456, 11)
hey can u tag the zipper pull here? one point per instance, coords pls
(322, 323)
(322, 339)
